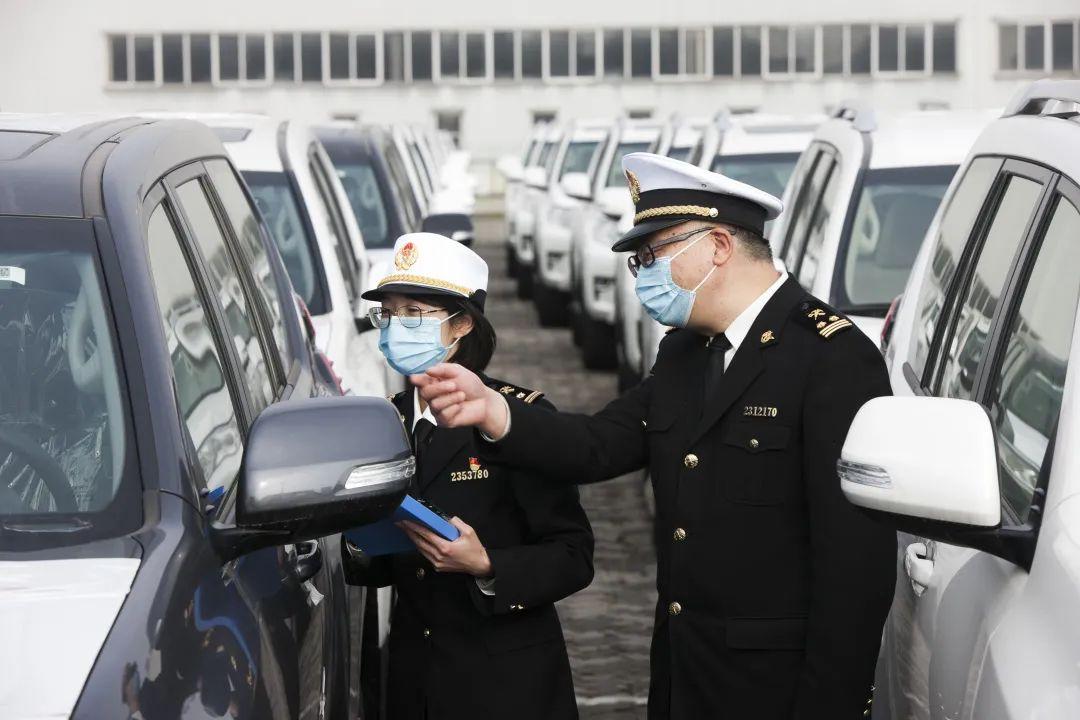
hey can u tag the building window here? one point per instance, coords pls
(543, 117)
(749, 51)
(239, 57)
(449, 121)
(255, 57)
(914, 48)
(860, 42)
(339, 57)
(792, 50)
(366, 47)
(532, 54)
(420, 55)
(311, 57)
(228, 57)
(641, 53)
(944, 48)
(394, 57)
(1038, 47)
(1063, 46)
(118, 58)
(668, 41)
(558, 53)
(143, 53)
(585, 53)
(832, 49)
(614, 64)
(503, 51)
(476, 55)
(1034, 50)
(449, 52)
(888, 55)
(681, 52)
(172, 59)
(723, 47)
(284, 58)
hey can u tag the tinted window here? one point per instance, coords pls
(400, 177)
(819, 222)
(368, 205)
(336, 226)
(952, 235)
(970, 329)
(205, 402)
(765, 172)
(246, 227)
(616, 177)
(1028, 388)
(225, 282)
(577, 158)
(893, 211)
(679, 152)
(802, 211)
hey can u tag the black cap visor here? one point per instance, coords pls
(637, 235)
(411, 289)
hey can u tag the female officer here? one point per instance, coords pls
(474, 632)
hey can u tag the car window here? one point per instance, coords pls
(819, 221)
(970, 328)
(336, 225)
(953, 232)
(1027, 391)
(804, 209)
(400, 177)
(679, 152)
(528, 152)
(893, 210)
(769, 172)
(225, 282)
(577, 158)
(368, 205)
(206, 404)
(421, 167)
(290, 228)
(245, 225)
(616, 177)
(62, 415)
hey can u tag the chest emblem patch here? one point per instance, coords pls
(475, 472)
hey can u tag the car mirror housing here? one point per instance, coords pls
(316, 467)
(535, 176)
(576, 185)
(510, 167)
(613, 202)
(456, 226)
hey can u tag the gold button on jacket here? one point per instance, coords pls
(680, 534)
(674, 608)
(690, 461)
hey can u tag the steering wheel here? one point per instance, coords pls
(50, 472)
(86, 371)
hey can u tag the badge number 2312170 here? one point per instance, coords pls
(760, 411)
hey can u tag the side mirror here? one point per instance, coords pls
(613, 202)
(576, 185)
(510, 167)
(456, 226)
(535, 176)
(317, 467)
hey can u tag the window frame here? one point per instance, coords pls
(680, 74)
(129, 60)
(901, 50)
(1047, 68)
(791, 73)
(352, 80)
(462, 77)
(241, 65)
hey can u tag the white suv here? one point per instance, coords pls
(860, 200)
(536, 175)
(760, 150)
(976, 461)
(512, 168)
(594, 266)
(555, 215)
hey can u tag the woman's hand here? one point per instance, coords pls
(464, 555)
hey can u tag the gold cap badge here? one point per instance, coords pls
(406, 257)
(767, 336)
(635, 186)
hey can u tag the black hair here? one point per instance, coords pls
(475, 349)
(755, 246)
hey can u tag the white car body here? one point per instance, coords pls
(757, 149)
(861, 256)
(287, 149)
(537, 174)
(556, 211)
(972, 635)
(513, 169)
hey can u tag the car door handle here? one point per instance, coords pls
(308, 560)
(919, 568)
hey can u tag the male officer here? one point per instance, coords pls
(772, 588)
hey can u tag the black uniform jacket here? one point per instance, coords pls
(455, 652)
(773, 589)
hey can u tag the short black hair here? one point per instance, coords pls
(755, 246)
(475, 349)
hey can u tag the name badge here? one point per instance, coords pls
(475, 472)
(760, 411)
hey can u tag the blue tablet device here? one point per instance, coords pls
(386, 538)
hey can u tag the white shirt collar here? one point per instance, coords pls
(416, 414)
(741, 325)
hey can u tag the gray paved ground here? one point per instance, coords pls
(608, 625)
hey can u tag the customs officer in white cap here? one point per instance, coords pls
(773, 590)
(474, 632)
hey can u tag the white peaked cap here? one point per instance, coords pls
(430, 264)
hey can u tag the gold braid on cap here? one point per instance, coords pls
(676, 210)
(424, 280)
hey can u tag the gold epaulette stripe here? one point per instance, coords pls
(835, 327)
(676, 210)
(424, 280)
(532, 396)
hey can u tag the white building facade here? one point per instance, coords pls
(487, 69)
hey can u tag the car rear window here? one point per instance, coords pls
(616, 177)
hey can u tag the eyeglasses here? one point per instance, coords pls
(410, 316)
(645, 255)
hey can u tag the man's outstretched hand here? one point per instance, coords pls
(458, 398)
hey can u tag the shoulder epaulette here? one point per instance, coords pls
(523, 394)
(821, 319)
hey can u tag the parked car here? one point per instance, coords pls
(594, 266)
(512, 168)
(974, 460)
(173, 482)
(536, 176)
(760, 150)
(567, 191)
(860, 200)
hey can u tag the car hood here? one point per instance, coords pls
(54, 617)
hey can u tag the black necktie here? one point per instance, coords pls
(421, 438)
(714, 365)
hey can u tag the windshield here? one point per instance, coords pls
(545, 154)
(765, 172)
(290, 227)
(368, 205)
(679, 152)
(893, 211)
(616, 177)
(577, 158)
(63, 436)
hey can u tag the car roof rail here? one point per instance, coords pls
(859, 113)
(722, 119)
(1033, 98)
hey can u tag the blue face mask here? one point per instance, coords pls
(663, 299)
(411, 351)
